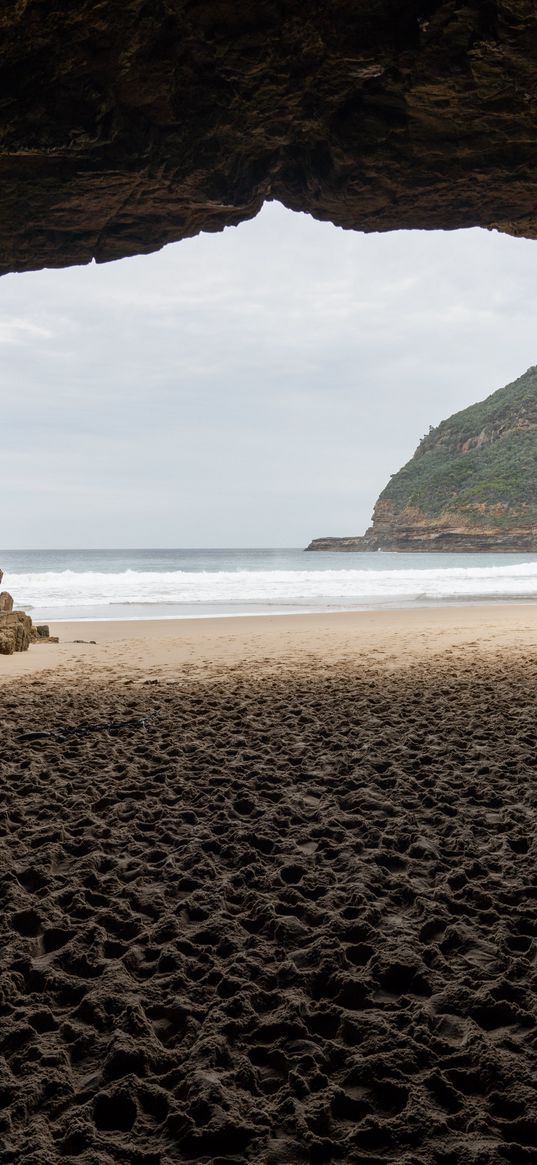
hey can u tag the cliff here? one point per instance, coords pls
(125, 126)
(470, 486)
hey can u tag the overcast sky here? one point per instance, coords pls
(253, 388)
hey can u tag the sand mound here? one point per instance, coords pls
(288, 919)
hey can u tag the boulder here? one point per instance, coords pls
(15, 632)
(16, 628)
(42, 634)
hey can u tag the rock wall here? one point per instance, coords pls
(413, 530)
(352, 543)
(126, 125)
(425, 540)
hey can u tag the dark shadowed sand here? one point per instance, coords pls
(290, 917)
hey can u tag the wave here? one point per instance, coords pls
(68, 588)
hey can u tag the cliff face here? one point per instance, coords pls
(470, 486)
(124, 126)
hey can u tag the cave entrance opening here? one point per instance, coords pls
(250, 388)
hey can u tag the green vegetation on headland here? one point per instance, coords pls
(471, 484)
(484, 456)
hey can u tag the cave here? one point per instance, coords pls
(128, 125)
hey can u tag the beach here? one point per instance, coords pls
(166, 647)
(269, 890)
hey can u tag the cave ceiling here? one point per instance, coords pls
(128, 124)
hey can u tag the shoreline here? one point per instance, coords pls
(396, 606)
(114, 649)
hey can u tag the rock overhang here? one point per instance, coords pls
(128, 125)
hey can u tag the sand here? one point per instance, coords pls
(171, 647)
(269, 892)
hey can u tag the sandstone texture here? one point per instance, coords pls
(16, 628)
(470, 486)
(15, 632)
(127, 125)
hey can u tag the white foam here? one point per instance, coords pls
(64, 589)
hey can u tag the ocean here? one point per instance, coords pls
(145, 584)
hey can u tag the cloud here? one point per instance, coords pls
(255, 387)
(18, 331)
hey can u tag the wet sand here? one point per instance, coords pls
(269, 893)
(171, 647)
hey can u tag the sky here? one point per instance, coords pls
(251, 388)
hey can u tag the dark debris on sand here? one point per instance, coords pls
(293, 920)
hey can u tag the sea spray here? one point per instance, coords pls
(235, 582)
